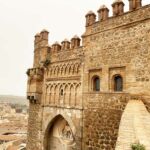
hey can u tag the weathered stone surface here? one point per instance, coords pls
(34, 127)
(65, 105)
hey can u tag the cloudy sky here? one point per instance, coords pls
(20, 20)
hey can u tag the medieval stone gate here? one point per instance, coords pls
(78, 93)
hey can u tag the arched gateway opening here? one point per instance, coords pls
(59, 135)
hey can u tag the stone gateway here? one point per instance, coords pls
(86, 96)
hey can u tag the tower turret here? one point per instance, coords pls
(41, 48)
(118, 7)
(56, 47)
(134, 4)
(90, 18)
(36, 50)
(65, 44)
(75, 42)
(103, 13)
(37, 38)
(44, 35)
(44, 47)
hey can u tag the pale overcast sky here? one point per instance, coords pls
(20, 20)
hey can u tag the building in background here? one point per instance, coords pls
(13, 122)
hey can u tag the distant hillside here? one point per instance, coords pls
(13, 99)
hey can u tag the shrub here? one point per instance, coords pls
(138, 146)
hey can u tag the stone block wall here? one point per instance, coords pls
(101, 120)
(101, 129)
(118, 45)
(120, 42)
(34, 127)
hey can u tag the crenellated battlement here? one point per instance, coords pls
(56, 47)
(105, 22)
(117, 9)
(41, 39)
(126, 19)
(66, 44)
(103, 13)
(42, 50)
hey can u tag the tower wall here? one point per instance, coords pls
(118, 45)
(61, 82)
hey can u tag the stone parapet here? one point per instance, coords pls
(113, 22)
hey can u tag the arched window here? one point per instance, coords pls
(96, 84)
(118, 83)
(61, 92)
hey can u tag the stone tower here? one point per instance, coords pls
(78, 92)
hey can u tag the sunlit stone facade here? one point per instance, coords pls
(78, 92)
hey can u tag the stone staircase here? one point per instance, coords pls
(134, 126)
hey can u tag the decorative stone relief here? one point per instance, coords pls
(64, 69)
(66, 133)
